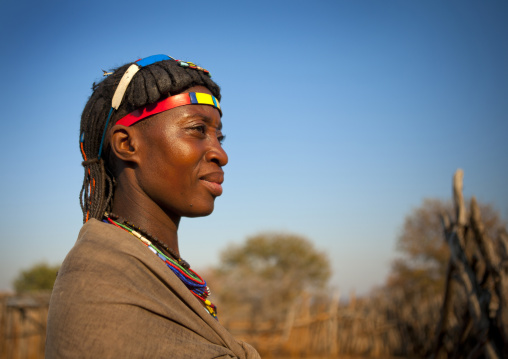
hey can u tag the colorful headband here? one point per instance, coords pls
(190, 98)
(127, 78)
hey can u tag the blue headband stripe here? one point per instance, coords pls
(152, 59)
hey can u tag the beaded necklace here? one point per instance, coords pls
(181, 268)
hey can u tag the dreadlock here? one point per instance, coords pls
(149, 84)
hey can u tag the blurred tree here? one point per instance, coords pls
(39, 277)
(421, 268)
(265, 274)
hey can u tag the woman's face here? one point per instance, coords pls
(181, 159)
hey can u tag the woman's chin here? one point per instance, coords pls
(199, 211)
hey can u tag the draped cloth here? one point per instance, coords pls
(113, 298)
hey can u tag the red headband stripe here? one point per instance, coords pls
(191, 98)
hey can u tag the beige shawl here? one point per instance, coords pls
(114, 298)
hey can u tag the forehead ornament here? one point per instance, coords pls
(190, 98)
(129, 75)
(193, 66)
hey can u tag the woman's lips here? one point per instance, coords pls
(213, 181)
(214, 187)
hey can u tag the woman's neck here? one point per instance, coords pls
(134, 206)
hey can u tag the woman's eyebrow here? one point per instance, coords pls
(209, 121)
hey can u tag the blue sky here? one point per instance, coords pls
(340, 116)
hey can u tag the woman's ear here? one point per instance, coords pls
(124, 143)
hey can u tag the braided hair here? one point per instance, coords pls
(149, 84)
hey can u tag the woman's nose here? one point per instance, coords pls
(217, 155)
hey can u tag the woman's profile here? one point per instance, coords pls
(151, 140)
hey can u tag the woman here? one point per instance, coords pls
(151, 143)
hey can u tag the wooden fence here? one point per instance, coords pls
(326, 328)
(23, 326)
(474, 315)
(313, 327)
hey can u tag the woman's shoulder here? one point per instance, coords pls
(104, 264)
(98, 232)
(101, 250)
(102, 239)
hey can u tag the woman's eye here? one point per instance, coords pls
(221, 138)
(201, 129)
